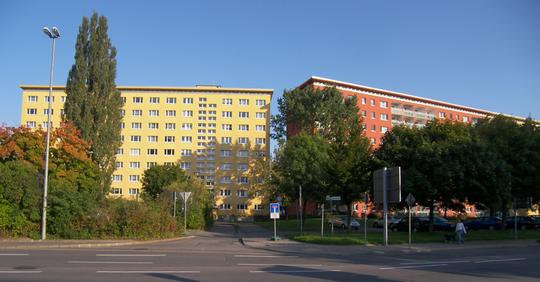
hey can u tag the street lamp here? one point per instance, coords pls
(53, 35)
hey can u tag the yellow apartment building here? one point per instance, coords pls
(215, 134)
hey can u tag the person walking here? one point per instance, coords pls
(460, 232)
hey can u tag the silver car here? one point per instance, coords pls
(340, 221)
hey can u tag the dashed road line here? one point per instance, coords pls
(278, 264)
(19, 271)
(434, 262)
(263, 256)
(148, 271)
(14, 254)
(108, 262)
(413, 266)
(294, 271)
(499, 260)
(131, 255)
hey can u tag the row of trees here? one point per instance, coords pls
(446, 164)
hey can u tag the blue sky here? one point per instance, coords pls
(483, 54)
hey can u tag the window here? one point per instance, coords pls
(153, 125)
(226, 140)
(201, 112)
(151, 152)
(169, 139)
(260, 115)
(201, 125)
(134, 165)
(202, 118)
(243, 127)
(134, 178)
(226, 127)
(260, 102)
(226, 101)
(260, 141)
(259, 154)
(202, 105)
(241, 206)
(152, 138)
(31, 111)
(363, 101)
(225, 179)
(32, 98)
(187, 126)
(442, 115)
(122, 125)
(384, 116)
(170, 100)
(226, 153)
(119, 165)
(258, 207)
(117, 177)
(243, 140)
(137, 100)
(373, 128)
(372, 102)
(116, 191)
(202, 99)
(136, 113)
(260, 127)
(124, 100)
(154, 100)
(226, 114)
(46, 111)
(212, 125)
(119, 151)
(212, 112)
(187, 113)
(135, 138)
(187, 139)
(135, 152)
(153, 113)
(243, 153)
(136, 125)
(185, 165)
(31, 124)
(170, 113)
(373, 141)
(364, 113)
(384, 129)
(47, 99)
(212, 105)
(225, 206)
(168, 152)
(201, 138)
(465, 119)
(133, 191)
(170, 126)
(373, 116)
(242, 166)
(243, 114)
(242, 180)
(45, 125)
(242, 193)
(226, 166)
(244, 102)
(123, 113)
(383, 104)
(150, 164)
(63, 99)
(188, 100)
(185, 152)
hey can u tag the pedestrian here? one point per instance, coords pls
(460, 232)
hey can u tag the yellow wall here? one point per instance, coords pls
(213, 95)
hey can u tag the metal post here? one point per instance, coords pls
(409, 225)
(385, 206)
(301, 212)
(331, 215)
(275, 232)
(322, 220)
(174, 203)
(46, 172)
(365, 222)
(515, 224)
(185, 213)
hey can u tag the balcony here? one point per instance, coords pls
(421, 115)
(409, 113)
(397, 111)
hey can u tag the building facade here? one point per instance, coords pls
(215, 134)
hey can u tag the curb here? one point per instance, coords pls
(89, 245)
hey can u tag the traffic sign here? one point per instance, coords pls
(410, 200)
(274, 211)
(393, 185)
(333, 198)
(185, 195)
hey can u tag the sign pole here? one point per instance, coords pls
(275, 229)
(174, 203)
(322, 221)
(365, 217)
(385, 206)
(301, 212)
(515, 224)
(185, 213)
(409, 210)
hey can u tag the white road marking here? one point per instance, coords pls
(13, 254)
(294, 271)
(19, 271)
(146, 271)
(131, 255)
(275, 264)
(434, 262)
(263, 256)
(499, 260)
(109, 262)
(412, 266)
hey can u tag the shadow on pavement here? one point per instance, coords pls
(170, 277)
(321, 274)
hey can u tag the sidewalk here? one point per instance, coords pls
(10, 244)
(258, 237)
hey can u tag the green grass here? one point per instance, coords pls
(312, 229)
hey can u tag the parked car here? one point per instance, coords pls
(379, 223)
(485, 222)
(422, 224)
(523, 222)
(340, 221)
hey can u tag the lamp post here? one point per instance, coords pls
(52, 33)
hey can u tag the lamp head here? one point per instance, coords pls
(47, 32)
(55, 32)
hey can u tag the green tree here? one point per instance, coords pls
(156, 178)
(199, 204)
(93, 103)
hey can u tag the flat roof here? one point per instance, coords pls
(212, 88)
(368, 89)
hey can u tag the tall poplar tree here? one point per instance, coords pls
(93, 104)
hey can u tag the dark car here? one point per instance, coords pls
(523, 222)
(422, 224)
(485, 222)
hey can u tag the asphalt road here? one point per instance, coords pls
(220, 256)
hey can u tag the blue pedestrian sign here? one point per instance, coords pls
(274, 211)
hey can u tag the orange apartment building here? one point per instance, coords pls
(383, 109)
